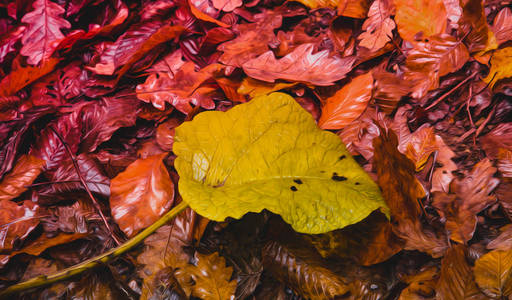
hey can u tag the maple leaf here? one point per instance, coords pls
(300, 65)
(252, 41)
(470, 196)
(211, 277)
(141, 194)
(378, 27)
(44, 31)
(226, 168)
(179, 89)
(347, 104)
(424, 17)
(24, 173)
(493, 273)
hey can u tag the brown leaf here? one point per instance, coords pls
(420, 18)
(370, 241)
(179, 89)
(499, 137)
(165, 134)
(43, 32)
(503, 241)
(419, 146)
(24, 173)
(141, 194)
(456, 280)
(211, 277)
(504, 194)
(474, 24)
(303, 271)
(504, 163)
(300, 65)
(429, 60)
(502, 26)
(443, 175)
(378, 27)
(253, 40)
(493, 273)
(422, 285)
(468, 197)
(16, 222)
(348, 103)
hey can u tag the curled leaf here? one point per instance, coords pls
(269, 153)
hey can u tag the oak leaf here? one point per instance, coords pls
(300, 65)
(493, 273)
(501, 66)
(211, 276)
(141, 194)
(253, 40)
(348, 103)
(420, 17)
(44, 31)
(179, 89)
(468, 197)
(25, 171)
(378, 27)
(227, 167)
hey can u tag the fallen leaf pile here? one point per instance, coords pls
(351, 149)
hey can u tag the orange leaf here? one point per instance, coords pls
(20, 77)
(16, 222)
(300, 65)
(378, 27)
(493, 274)
(348, 103)
(421, 284)
(420, 17)
(24, 173)
(353, 9)
(141, 194)
(502, 26)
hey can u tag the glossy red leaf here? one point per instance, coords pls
(347, 104)
(27, 169)
(141, 194)
(20, 77)
(44, 30)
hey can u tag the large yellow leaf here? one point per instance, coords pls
(493, 274)
(269, 154)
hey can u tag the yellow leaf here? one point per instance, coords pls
(269, 154)
(255, 88)
(314, 4)
(501, 66)
(493, 273)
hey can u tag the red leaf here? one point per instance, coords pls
(43, 33)
(141, 194)
(347, 104)
(24, 173)
(20, 77)
(16, 222)
(502, 26)
(300, 65)
(9, 40)
(227, 5)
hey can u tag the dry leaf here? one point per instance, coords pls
(23, 174)
(16, 222)
(502, 26)
(300, 65)
(211, 277)
(353, 8)
(255, 88)
(493, 273)
(456, 280)
(421, 286)
(423, 18)
(378, 27)
(141, 194)
(501, 66)
(347, 104)
(503, 241)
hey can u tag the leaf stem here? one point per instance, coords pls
(67, 273)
